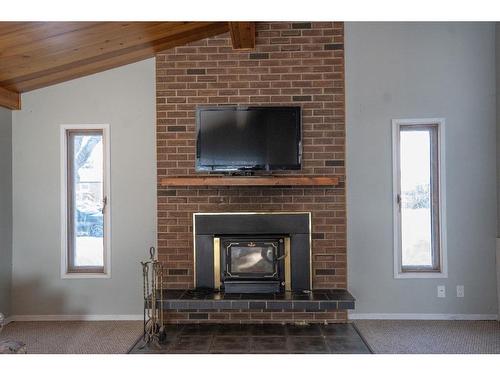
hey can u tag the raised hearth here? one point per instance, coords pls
(208, 299)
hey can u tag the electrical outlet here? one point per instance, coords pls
(441, 291)
(460, 291)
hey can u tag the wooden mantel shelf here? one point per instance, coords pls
(250, 181)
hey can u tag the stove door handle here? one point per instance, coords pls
(281, 257)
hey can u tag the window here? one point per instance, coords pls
(85, 214)
(419, 215)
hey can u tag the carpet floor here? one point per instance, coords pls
(96, 337)
(431, 337)
(383, 336)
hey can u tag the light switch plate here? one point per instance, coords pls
(460, 291)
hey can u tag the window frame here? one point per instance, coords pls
(438, 172)
(67, 272)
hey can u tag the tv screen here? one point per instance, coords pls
(248, 138)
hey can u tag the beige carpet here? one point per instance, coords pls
(102, 337)
(431, 336)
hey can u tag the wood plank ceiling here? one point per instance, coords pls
(40, 54)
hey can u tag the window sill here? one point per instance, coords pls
(76, 275)
(421, 275)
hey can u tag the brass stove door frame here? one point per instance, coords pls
(216, 263)
(288, 268)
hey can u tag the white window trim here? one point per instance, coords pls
(64, 201)
(398, 273)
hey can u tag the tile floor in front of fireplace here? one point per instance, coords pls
(259, 339)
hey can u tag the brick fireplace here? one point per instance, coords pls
(294, 63)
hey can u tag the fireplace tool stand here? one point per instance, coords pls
(154, 327)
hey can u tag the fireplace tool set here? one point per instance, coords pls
(154, 327)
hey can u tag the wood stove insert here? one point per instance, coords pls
(252, 252)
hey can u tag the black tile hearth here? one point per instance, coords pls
(258, 339)
(269, 345)
(268, 330)
(308, 345)
(208, 299)
(304, 330)
(234, 330)
(191, 344)
(344, 330)
(230, 344)
(199, 330)
(346, 345)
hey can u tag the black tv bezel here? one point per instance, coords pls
(247, 168)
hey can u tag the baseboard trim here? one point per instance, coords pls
(352, 316)
(49, 318)
(384, 316)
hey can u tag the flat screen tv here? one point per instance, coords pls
(238, 139)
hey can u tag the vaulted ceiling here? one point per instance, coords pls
(39, 54)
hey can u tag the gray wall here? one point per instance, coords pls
(124, 98)
(5, 209)
(497, 60)
(417, 70)
(497, 65)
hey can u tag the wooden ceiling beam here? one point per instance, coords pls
(242, 35)
(10, 99)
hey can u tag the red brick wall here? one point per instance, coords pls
(293, 64)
